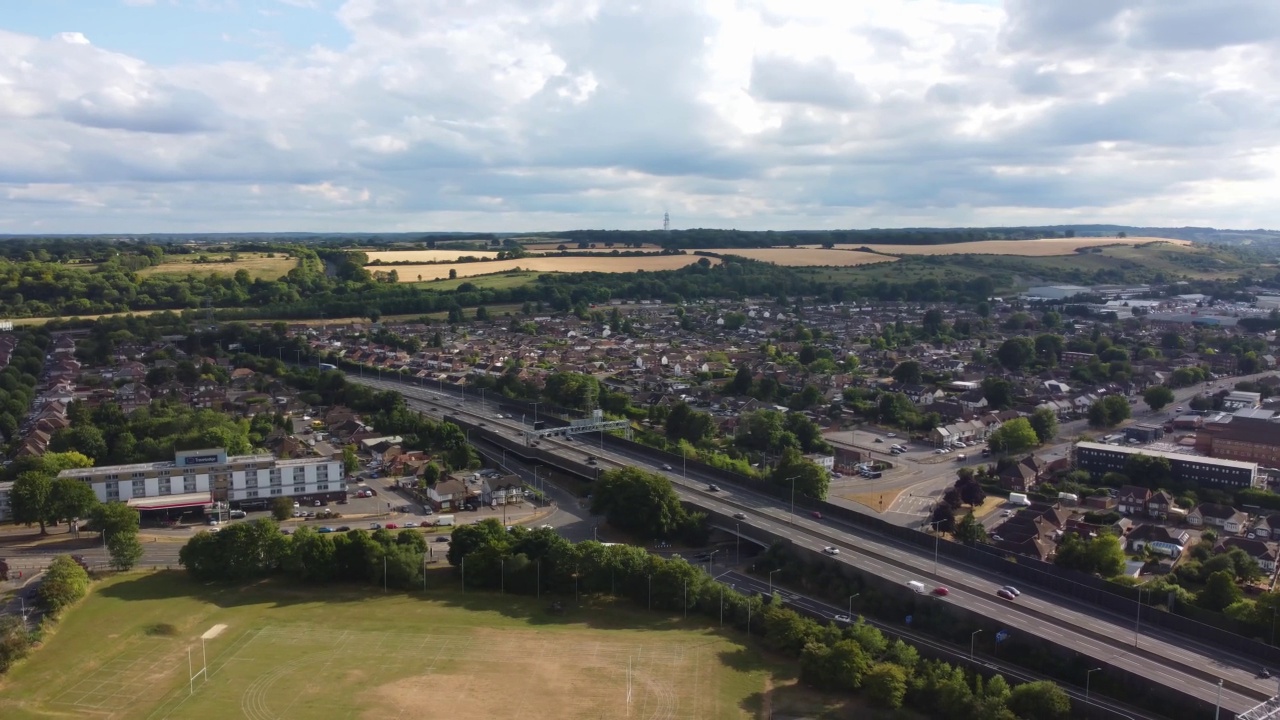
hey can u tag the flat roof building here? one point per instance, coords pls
(199, 478)
(1099, 459)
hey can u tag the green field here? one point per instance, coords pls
(350, 652)
(498, 281)
(258, 265)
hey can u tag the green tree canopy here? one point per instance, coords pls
(1015, 436)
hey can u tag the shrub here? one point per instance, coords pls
(65, 582)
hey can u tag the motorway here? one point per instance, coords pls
(1161, 657)
(953, 654)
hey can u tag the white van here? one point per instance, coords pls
(917, 586)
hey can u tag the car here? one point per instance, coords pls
(591, 461)
(344, 528)
(325, 529)
(410, 525)
(667, 468)
(941, 591)
(1011, 590)
(443, 538)
(484, 424)
(545, 527)
(831, 550)
(1006, 513)
(842, 618)
(1004, 594)
(713, 487)
(375, 526)
(318, 503)
(295, 504)
(816, 515)
(286, 531)
(1265, 673)
(214, 521)
(739, 516)
(878, 440)
(939, 451)
(390, 526)
(1178, 409)
(891, 434)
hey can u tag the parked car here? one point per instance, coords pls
(410, 525)
(344, 528)
(375, 526)
(842, 618)
(878, 440)
(830, 550)
(891, 435)
(325, 529)
(390, 526)
(443, 538)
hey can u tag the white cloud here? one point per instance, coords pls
(535, 114)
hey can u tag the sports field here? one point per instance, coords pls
(350, 652)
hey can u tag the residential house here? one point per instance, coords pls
(1132, 500)
(1265, 528)
(1266, 553)
(448, 495)
(1160, 504)
(1164, 540)
(497, 489)
(1229, 519)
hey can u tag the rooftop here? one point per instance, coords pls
(1172, 456)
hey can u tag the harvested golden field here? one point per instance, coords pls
(1029, 248)
(417, 273)
(426, 256)
(811, 256)
(551, 247)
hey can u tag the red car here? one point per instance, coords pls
(940, 591)
(391, 526)
(817, 515)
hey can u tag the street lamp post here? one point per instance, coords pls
(771, 572)
(936, 536)
(1137, 622)
(972, 637)
(1087, 676)
(711, 560)
(851, 597)
(793, 498)
(737, 560)
(1217, 706)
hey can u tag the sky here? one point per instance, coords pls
(136, 116)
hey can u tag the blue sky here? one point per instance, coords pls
(184, 31)
(123, 116)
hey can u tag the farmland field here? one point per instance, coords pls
(499, 281)
(1031, 248)
(427, 256)
(551, 247)
(410, 273)
(806, 256)
(258, 264)
(344, 652)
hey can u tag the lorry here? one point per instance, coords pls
(1019, 499)
(444, 521)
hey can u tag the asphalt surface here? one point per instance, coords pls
(1155, 654)
(952, 653)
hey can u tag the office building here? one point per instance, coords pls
(196, 479)
(1099, 459)
(1246, 436)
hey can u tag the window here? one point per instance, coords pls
(139, 487)
(164, 488)
(276, 491)
(189, 485)
(251, 493)
(324, 486)
(251, 483)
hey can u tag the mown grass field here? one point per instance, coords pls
(350, 652)
(258, 264)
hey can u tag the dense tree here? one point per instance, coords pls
(125, 550)
(31, 498)
(998, 392)
(885, 685)
(1108, 411)
(71, 498)
(64, 583)
(1152, 471)
(1220, 591)
(1040, 700)
(1048, 349)
(685, 423)
(806, 477)
(1016, 352)
(1015, 436)
(1157, 396)
(970, 530)
(639, 502)
(281, 509)
(907, 372)
(1045, 424)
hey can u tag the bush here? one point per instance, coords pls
(65, 582)
(15, 641)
